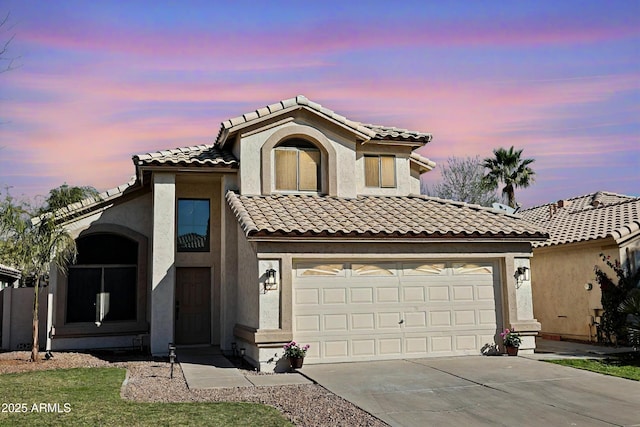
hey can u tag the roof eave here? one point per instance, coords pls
(228, 128)
(624, 234)
(424, 164)
(386, 237)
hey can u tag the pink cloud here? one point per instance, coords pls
(91, 126)
(325, 37)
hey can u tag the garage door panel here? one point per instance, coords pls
(336, 348)
(438, 293)
(441, 344)
(362, 295)
(388, 295)
(464, 317)
(463, 293)
(389, 321)
(363, 347)
(416, 345)
(390, 346)
(394, 310)
(466, 342)
(440, 318)
(413, 294)
(415, 319)
(335, 322)
(307, 296)
(307, 323)
(334, 296)
(363, 321)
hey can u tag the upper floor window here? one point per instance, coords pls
(380, 171)
(193, 225)
(297, 166)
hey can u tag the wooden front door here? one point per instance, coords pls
(193, 306)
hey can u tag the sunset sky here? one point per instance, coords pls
(97, 82)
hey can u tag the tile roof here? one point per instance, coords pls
(373, 216)
(592, 216)
(88, 204)
(208, 155)
(422, 162)
(200, 155)
(367, 131)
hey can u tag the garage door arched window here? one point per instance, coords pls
(101, 286)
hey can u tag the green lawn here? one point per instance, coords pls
(93, 398)
(624, 367)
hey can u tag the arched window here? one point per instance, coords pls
(101, 286)
(297, 166)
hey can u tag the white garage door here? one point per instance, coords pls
(377, 310)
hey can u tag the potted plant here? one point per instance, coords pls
(511, 341)
(295, 353)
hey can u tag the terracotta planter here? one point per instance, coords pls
(296, 362)
(512, 351)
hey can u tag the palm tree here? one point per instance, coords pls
(32, 245)
(509, 169)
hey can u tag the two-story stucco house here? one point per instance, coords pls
(295, 224)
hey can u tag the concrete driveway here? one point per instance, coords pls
(481, 391)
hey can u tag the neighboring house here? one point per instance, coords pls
(295, 224)
(566, 297)
(9, 276)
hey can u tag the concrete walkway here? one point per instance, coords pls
(551, 349)
(206, 368)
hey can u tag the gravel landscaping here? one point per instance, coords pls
(148, 381)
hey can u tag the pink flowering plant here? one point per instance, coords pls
(294, 349)
(511, 338)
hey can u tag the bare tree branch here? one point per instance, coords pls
(8, 62)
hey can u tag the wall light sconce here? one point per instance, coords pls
(270, 280)
(522, 274)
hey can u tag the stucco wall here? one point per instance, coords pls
(17, 318)
(248, 286)
(559, 274)
(343, 170)
(228, 268)
(163, 271)
(133, 213)
(337, 152)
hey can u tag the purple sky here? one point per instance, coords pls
(101, 81)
